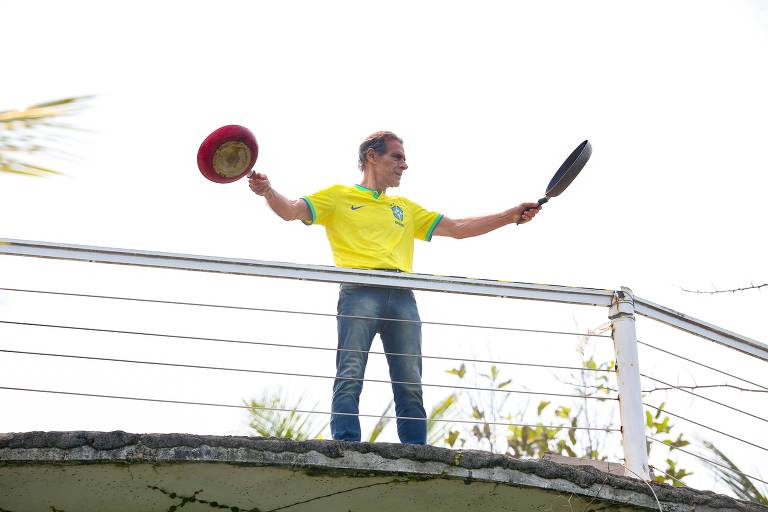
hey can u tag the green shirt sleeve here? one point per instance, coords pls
(424, 221)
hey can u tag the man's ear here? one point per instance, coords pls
(371, 154)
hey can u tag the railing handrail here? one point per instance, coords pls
(321, 273)
(701, 328)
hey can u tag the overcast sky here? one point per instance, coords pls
(489, 98)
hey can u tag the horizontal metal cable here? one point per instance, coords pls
(702, 364)
(705, 426)
(310, 313)
(709, 460)
(231, 406)
(307, 347)
(703, 397)
(289, 374)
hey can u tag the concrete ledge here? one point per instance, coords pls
(152, 467)
(613, 468)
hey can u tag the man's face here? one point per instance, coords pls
(389, 167)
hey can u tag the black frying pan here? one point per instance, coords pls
(568, 171)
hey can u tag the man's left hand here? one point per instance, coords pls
(524, 212)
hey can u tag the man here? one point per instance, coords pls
(368, 229)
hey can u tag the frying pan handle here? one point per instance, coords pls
(540, 201)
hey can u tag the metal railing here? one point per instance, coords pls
(622, 307)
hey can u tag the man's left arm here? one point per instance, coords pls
(474, 226)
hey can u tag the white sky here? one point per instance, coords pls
(490, 97)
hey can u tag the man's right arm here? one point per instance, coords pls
(285, 208)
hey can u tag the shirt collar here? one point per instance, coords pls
(374, 193)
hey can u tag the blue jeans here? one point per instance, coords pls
(397, 337)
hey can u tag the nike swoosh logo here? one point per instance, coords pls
(356, 207)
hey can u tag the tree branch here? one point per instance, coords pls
(706, 386)
(752, 286)
(703, 386)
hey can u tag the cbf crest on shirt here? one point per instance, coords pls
(370, 230)
(398, 213)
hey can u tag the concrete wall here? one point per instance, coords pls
(117, 471)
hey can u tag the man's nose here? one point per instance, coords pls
(403, 166)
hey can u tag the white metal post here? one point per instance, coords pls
(622, 317)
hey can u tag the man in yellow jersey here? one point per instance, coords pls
(369, 229)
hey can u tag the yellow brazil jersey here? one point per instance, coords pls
(370, 230)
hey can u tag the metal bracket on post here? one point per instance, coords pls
(622, 316)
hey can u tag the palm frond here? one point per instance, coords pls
(381, 424)
(436, 429)
(15, 167)
(34, 130)
(64, 101)
(741, 485)
(271, 416)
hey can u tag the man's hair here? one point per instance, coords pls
(376, 141)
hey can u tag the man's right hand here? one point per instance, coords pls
(285, 208)
(259, 183)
